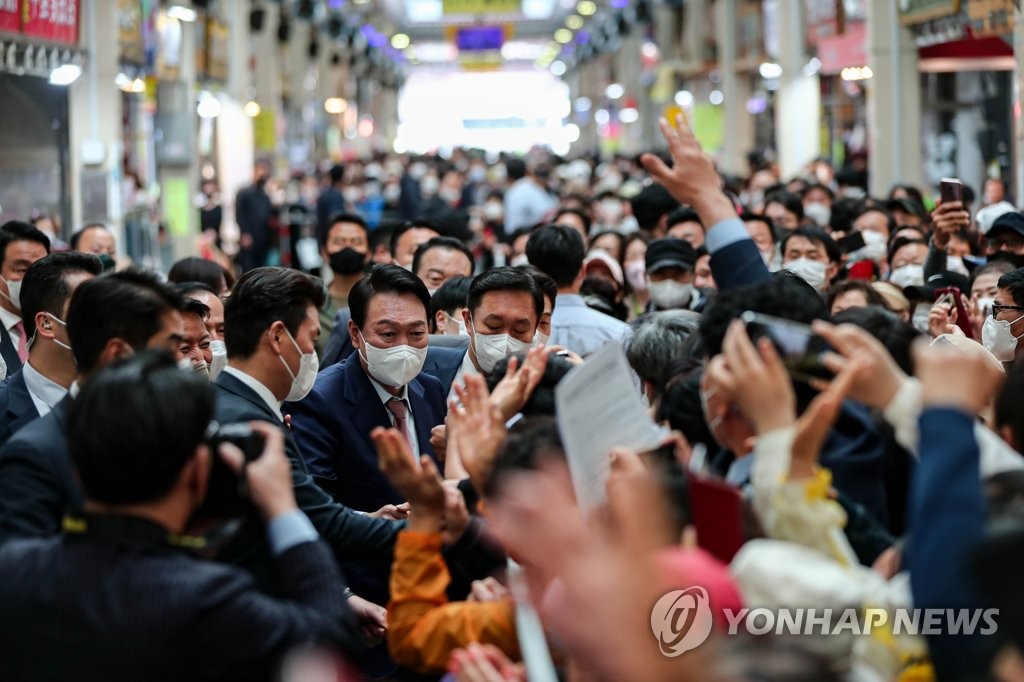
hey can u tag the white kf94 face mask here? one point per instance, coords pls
(394, 367)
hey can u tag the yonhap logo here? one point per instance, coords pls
(681, 620)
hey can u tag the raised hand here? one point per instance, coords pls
(878, 377)
(948, 219)
(418, 482)
(950, 378)
(692, 179)
(518, 384)
(763, 390)
(478, 430)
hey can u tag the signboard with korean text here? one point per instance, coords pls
(918, 11)
(216, 49)
(55, 21)
(129, 32)
(10, 18)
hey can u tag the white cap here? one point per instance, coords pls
(986, 216)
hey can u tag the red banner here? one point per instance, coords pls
(51, 20)
(10, 19)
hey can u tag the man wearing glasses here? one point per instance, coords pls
(1005, 326)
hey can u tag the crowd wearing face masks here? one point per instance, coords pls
(523, 418)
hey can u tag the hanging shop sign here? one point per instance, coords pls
(216, 50)
(824, 19)
(52, 21)
(129, 32)
(918, 11)
(55, 21)
(990, 17)
(480, 6)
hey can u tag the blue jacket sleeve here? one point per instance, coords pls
(947, 513)
(735, 260)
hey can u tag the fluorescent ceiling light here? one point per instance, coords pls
(181, 13)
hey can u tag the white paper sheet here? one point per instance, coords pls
(599, 408)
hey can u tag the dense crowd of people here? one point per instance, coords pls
(239, 471)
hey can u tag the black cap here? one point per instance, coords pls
(1012, 221)
(942, 280)
(670, 253)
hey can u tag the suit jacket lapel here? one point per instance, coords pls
(233, 385)
(365, 407)
(20, 406)
(423, 415)
(8, 351)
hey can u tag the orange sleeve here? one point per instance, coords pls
(423, 627)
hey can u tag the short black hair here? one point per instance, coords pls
(896, 335)
(997, 267)
(263, 296)
(323, 232)
(890, 219)
(441, 243)
(817, 185)
(681, 406)
(194, 306)
(871, 295)
(515, 168)
(126, 305)
(899, 243)
(529, 445)
(135, 425)
(336, 173)
(651, 204)
(546, 284)
(1013, 282)
(194, 269)
(76, 237)
(403, 227)
(45, 288)
(817, 236)
(385, 279)
(451, 295)
(791, 202)
(557, 250)
(18, 231)
(576, 212)
(1009, 407)
(785, 295)
(505, 279)
(683, 214)
(186, 289)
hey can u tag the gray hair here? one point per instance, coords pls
(656, 339)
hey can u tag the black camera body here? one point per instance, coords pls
(227, 494)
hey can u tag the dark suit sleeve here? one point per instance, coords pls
(738, 264)
(351, 535)
(238, 626)
(31, 504)
(315, 438)
(947, 518)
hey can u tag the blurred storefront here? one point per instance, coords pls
(39, 58)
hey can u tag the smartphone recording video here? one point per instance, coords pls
(797, 344)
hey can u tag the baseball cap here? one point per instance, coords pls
(598, 256)
(1012, 221)
(670, 252)
(988, 215)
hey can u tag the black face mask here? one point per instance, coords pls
(348, 261)
(1014, 259)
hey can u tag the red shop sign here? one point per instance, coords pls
(10, 19)
(51, 20)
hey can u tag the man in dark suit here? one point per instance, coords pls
(21, 245)
(44, 380)
(271, 324)
(379, 385)
(253, 209)
(131, 603)
(108, 318)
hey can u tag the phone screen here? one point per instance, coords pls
(951, 189)
(801, 349)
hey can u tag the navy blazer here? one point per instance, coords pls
(16, 406)
(737, 265)
(37, 481)
(332, 427)
(443, 363)
(349, 534)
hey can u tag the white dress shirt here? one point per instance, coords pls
(262, 391)
(10, 322)
(44, 392)
(467, 368)
(410, 420)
